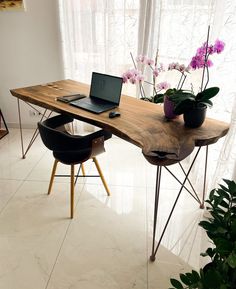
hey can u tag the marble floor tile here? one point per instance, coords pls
(108, 243)
(7, 190)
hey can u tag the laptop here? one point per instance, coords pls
(105, 92)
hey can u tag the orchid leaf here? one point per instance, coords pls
(207, 102)
(207, 93)
(158, 98)
(183, 106)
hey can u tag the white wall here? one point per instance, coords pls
(30, 53)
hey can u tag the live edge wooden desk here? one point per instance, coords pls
(141, 123)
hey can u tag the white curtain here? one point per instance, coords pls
(98, 35)
(178, 29)
(225, 106)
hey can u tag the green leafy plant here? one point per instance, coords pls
(220, 272)
(186, 100)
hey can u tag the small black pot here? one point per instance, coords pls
(195, 117)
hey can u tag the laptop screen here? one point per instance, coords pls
(106, 87)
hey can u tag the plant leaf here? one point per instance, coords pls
(207, 102)
(231, 260)
(223, 246)
(183, 106)
(184, 279)
(181, 96)
(232, 186)
(158, 98)
(146, 99)
(207, 93)
(176, 284)
(224, 193)
(195, 276)
(212, 278)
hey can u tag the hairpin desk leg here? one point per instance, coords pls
(36, 132)
(157, 193)
(21, 136)
(158, 181)
(204, 182)
(3, 131)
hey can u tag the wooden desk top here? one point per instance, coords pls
(142, 123)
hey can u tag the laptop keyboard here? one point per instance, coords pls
(96, 101)
(93, 105)
(88, 102)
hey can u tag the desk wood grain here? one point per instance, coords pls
(163, 142)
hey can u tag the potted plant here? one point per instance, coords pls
(220, 272)
(161, 91)
(192, 106)
(177, 100)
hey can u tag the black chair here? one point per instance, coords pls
(72, 149)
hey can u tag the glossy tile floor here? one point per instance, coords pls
(108, 243)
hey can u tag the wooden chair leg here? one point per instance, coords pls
(52, 176)
(72, 186)
(101, 176)
(82, 169)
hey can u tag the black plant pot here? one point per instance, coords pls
(195, 117)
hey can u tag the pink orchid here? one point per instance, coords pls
(128, 73)
(163, 85)
(173, 65)
(125, 78)
(201, 58)
(209, 63)
(182, 68)
(140, 78)
(155, 71)
(201, 51)
(177, 66)
(197, 62)
(161, 67)
(133, 76)
(149, 61)
(210, 49)
(219, 46)
(141, 58)
(133, 80)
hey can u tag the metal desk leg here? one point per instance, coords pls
(3, 131)
(157, 193)
(204, 183)
(158, 180)
(35, 134)
(21, 135)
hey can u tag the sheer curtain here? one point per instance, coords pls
(178, 28)
(225, 108)
(98, 35)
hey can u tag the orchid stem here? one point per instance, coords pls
(135, 66)
(207, 69)
(183, 81)
(205, 61)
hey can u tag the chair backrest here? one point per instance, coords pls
(54, 139)
(60, 141)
